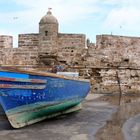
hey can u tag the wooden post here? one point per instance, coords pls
(120, 91)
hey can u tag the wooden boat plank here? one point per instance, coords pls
(39, 81)
(12, 86)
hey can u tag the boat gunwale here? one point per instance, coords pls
(23, 80)
(40, 73)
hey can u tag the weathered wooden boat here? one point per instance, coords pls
(28, 97)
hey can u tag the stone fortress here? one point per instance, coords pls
(35, 50)
(100, 61)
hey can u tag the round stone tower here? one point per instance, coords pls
(48, 26)
(48, 36)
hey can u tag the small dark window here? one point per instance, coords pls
(126, 60)
(46, 33)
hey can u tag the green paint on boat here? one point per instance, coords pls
(18, 117)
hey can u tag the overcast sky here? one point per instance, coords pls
(91, 17)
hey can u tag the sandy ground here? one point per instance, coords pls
(98, 120)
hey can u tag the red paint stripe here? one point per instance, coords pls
(7, 79)
(22, 80)
(22, 86)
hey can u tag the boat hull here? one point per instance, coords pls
(28, 105)
(34, 113)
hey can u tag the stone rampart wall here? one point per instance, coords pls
(70, 46)
(27, 40)
(100, 63)
(22, 57)
(111, 54)
(6, 41)
(118, 50)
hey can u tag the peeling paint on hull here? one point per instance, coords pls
(24, 106)
(20, 119)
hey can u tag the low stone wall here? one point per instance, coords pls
(108, 80)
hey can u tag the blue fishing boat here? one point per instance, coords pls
(28, 97)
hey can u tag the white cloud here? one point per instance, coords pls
(111, 13)
(123, 2)
(124, 18)
(112, 2)
(127, 17)
(67, 12)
